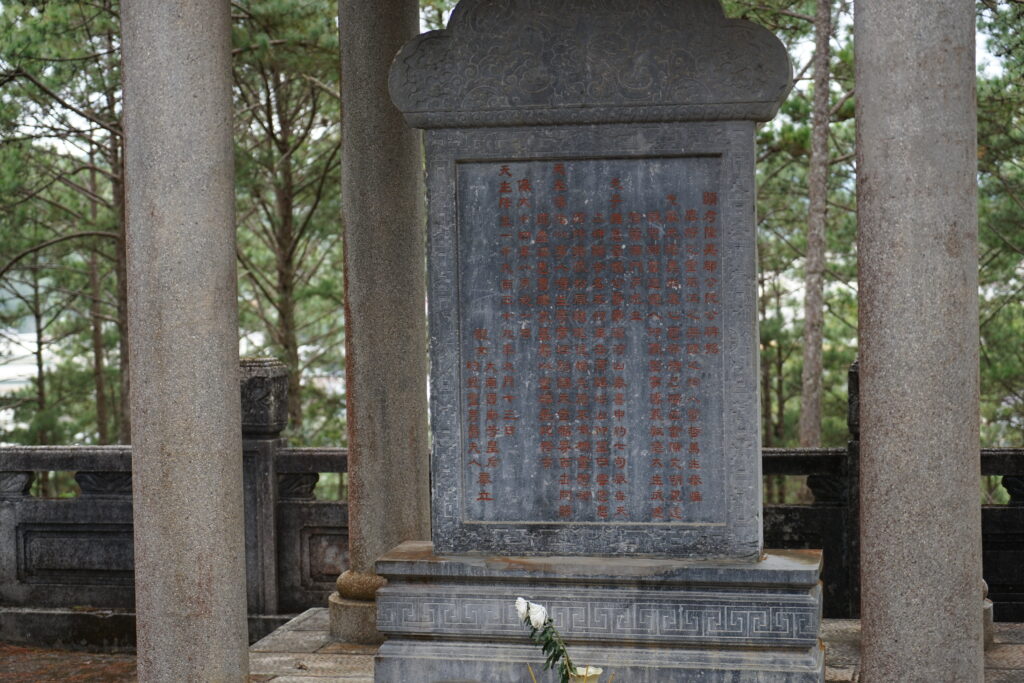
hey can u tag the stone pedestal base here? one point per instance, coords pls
(354, 621)
(453, 618)
(988, 622)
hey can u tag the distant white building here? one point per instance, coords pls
(17, 367)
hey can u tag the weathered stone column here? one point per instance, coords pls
(187, 444)
(921, 526)
(385, 333)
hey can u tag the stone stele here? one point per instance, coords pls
(594, 349)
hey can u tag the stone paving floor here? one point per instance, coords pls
(302, 652)
(1004, 661)
(39, 665)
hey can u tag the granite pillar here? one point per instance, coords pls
(190, 593)
(385, 324)
(920, 518)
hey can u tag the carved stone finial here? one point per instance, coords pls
(264, 397)
(539, 62)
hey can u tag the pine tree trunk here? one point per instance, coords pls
(766, 379)
(125, 420)
(817, 181)
(115, 160)
(780, 379)
(286, 249)
(42, 435)
(98, 361)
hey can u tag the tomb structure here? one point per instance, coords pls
(594, 349)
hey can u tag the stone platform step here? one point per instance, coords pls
(302, 651)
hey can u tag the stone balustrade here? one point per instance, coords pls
(66, 569)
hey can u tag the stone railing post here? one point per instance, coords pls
(842, 491)
(264, 386)
(851, 523)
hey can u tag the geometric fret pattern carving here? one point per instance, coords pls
(452, 617)
(623, 616)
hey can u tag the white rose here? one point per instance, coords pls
(589, 671)
(522, 608)
(538, 615)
